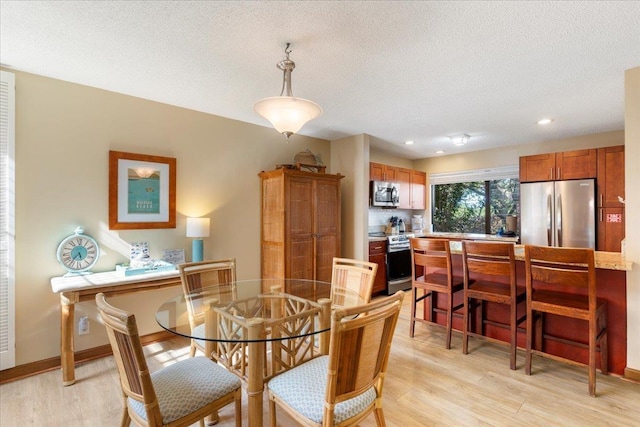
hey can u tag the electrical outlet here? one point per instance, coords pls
(83, 325)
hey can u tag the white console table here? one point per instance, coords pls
(73, 289)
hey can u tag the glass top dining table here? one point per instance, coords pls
(258, 328)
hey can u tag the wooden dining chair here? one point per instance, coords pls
(552, 273)
(354, 276)
(432, 273)
(343, 387)
(198, 275)
(177, 395)
(484, 265)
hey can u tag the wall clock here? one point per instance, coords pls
(78, 252)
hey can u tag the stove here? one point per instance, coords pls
(399, 262)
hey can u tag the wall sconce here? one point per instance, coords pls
(460, 140)
(198, 228)
(287, 113)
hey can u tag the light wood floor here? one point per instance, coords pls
(426, 385)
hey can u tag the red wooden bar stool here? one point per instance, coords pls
(551, 274)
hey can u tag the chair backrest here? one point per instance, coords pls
(359, 348)
(563, 267)
(198, 275)
(429, 256)
(135, 378)
(489, 258)
(354, 276)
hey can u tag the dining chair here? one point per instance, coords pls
(198, 275)
(551, 273)
(177, 395)
(432, 272)
(484, 265)
(345, 386)
(349, 278)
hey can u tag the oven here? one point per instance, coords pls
(398, 263)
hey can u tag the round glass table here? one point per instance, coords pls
(258, 328)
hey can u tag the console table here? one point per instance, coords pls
(73, 289)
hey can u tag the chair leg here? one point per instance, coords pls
(604, 347)
(380, 422)
(192, 349)
(272, 412)
(465, 326)
(238, 401)
(412, 322)
(527, 362)
(449, 319)
(126, 419)
(593, 331)
(514, 335)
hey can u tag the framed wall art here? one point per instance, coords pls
(142, 191)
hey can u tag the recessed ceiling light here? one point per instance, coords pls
(409, 143)
(440, 152)
(460, 140)
(544, 121)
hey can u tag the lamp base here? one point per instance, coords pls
(197, 250)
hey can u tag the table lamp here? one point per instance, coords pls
(197, 227)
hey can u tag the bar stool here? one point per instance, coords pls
(432, 272)
(550, 272)
(491, 259)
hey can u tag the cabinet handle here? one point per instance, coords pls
(601, 214)
(600, 199)
(377, 247)
(551, 174)
(559, 176)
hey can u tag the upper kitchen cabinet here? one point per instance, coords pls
(413, 183)
(300, 233)
(610, 176)
(380, 172)
(577, 164)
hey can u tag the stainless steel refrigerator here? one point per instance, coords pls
(558, 213)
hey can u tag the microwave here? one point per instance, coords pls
(385, 194)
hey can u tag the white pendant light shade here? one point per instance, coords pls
(287, 114)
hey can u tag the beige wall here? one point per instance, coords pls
(632, 213)
(64, 133)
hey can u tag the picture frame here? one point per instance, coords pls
(142, 191)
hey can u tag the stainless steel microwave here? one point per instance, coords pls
(385, 194)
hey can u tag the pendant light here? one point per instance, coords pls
(287, 113)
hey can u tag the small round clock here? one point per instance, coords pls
(78, 252)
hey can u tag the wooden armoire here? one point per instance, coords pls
(300, 232)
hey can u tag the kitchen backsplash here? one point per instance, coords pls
(379, 218)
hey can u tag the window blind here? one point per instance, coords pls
(487, 174)
(7, 220)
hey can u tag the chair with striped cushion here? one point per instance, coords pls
(177, 395)
(345, 386)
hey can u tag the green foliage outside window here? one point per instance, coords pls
(461, 207)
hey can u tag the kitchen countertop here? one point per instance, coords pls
(604, 260)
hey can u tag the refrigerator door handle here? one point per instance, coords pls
(559, 220)
(549, 231)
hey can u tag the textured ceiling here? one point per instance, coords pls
(398, 71)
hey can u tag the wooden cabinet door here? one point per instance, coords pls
(577, 164)
(327, 226)
(376, 171)
(610, 229)
(404, 179)
(418, 189)
(540, 167)
(299, 246)
(610, 176)
(378, 254)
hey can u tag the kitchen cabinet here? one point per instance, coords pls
(413, 184)
(610, 208)
(300, 232)
(378, 254)
(380, 172)
(577, 164)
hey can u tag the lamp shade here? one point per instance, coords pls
(198, 227)
(287, 114)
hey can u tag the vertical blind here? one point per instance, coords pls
(7, 220)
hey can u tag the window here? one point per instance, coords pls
(475, 201)
(7, 226)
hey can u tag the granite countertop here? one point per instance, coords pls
(469, 236)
